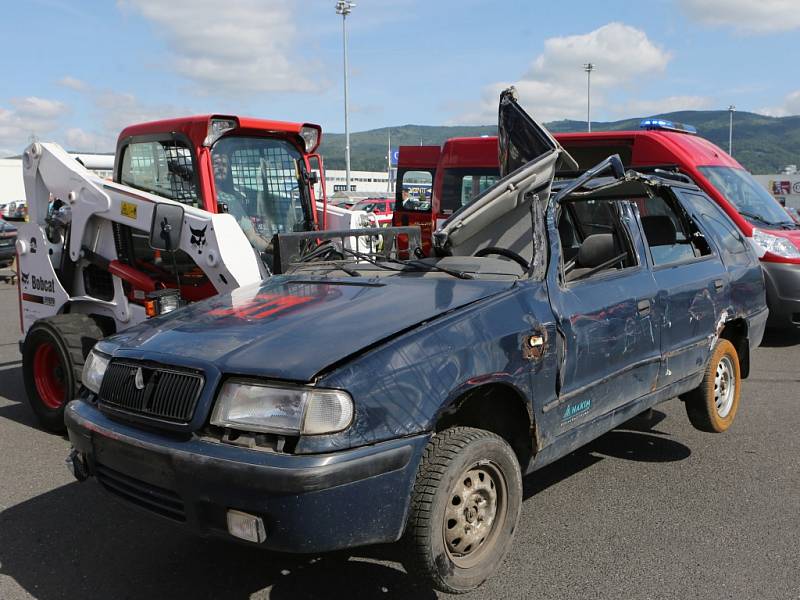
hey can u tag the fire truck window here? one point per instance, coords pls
(163, 167)
(461, 186)
(416, 190)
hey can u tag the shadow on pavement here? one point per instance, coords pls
(11, 384)
(634, 440)
(12, 388)
(780, 338)
(77, 542)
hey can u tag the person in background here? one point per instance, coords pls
(235, 202)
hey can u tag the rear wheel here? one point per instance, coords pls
(52, 360)
(464, 508)
(712, 406)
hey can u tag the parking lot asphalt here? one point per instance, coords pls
(651, 510)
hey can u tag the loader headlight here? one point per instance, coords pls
(217, 127)
(93, 370)
(290, 410)
(310, 135)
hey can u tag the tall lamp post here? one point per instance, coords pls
(589, 67)
(731, 110)
(344, 7)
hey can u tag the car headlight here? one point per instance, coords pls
(291, 410)
(780, 246)
(93, 370)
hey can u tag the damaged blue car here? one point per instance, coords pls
(368, 396)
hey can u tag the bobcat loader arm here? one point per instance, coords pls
(52, 267)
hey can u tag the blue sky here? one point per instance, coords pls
(77, 71)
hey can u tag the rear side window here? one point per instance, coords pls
(712, 216)
(165, 168)
(669, 232)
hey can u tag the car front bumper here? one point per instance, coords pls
(308, 503)
(783, 294)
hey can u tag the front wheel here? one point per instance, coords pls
(464, 508)
(712, 406)
(52, 360)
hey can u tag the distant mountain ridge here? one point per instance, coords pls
(762, 144)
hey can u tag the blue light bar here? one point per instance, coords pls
(665, 125)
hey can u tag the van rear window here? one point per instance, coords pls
(588, 155)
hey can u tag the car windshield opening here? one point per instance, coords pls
(748, 197)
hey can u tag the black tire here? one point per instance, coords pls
(711, 407)
(66, 341)
(451, 460)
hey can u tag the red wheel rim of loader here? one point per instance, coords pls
(48, 373)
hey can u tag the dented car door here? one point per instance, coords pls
(609, 349)
(693, 285)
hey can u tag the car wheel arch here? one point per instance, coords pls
(510, 416)
(735, 331)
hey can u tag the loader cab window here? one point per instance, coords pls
(260, 182)
(162, 167)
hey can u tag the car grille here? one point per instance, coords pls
(155, 499)
(162, 393)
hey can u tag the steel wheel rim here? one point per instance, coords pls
(48, 375)
(724, 387)
(475, 512)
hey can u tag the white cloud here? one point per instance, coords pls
(73, 84)
(554, 87)
(620, 51)
(29, 117)
(79, 140)
(113, 111)
(746, 16)
(32, 107)
(645, 108)
(789, 106)
(247, 46)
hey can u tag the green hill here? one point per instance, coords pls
(762, 144)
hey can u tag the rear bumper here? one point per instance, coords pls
(783, 294)
(309, 503)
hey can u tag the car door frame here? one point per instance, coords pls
(579, 402)
(684, 360)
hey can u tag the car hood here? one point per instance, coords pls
(288, 327)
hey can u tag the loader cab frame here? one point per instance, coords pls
(174, 158)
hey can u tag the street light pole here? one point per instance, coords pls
(731, 110)
(588, 67)
(344, 7)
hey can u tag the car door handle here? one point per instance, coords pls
(643, 306)
(719, 284)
